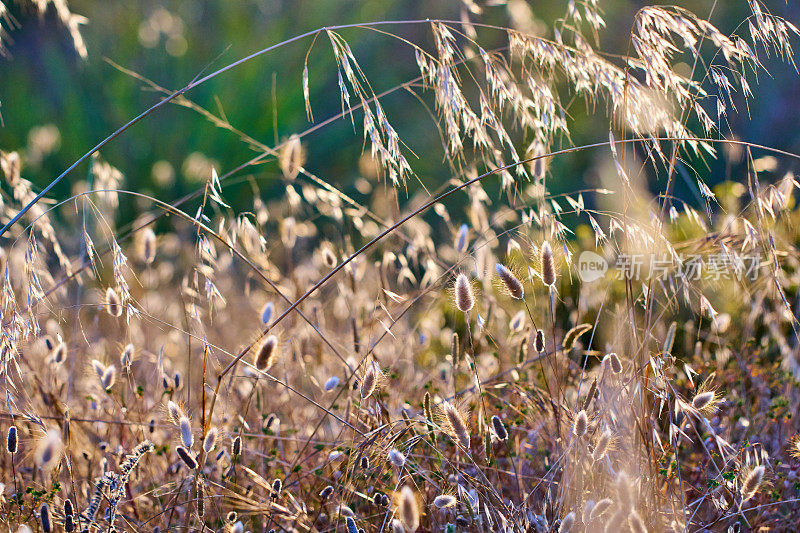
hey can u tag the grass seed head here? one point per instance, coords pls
(49, 448)
(580, 424)
(752, 482)
(266, 313)
(567, 523)
(331, 384)
(455, 352)
(266, 353)
(147, 246)
(236, 446)
(12, 440)
(113, 303)
(539, 342)
(109, 377)
(510, 281)
(455, 424)
(408, 508)
(636, 522)
(187, 457)
(370, 381)
(464, 297)
(548, 269)
(292, 157)
(604, 443)
(59, 353)
(499, 428)
(185, 426)
(175, 412)
(397, 458)
(210, 440)
(705, 403)
(600, 508)
(126, 357)
(443, 501)
(44, 517)
(612, 362)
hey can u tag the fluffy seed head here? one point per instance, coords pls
(600, 507)
(703, 400)
(99, 368)
(547, 265)
(210, 441)
(752, 482)
(370, 381)
(636, 522)
(465, 299)
(444, 501)
(174, 411)
(499, 428)
(326, 492)
(332, 383)
(602, 445)
(580, 424)
(44, 516)
(49, 448)
(126, 358)
(351, 525)
(624, 488)
(266, 353)
(455, 352)
(512, 284)
(397, 458)
(236, 446)
(455, 424)
(186, 431)
(147, 246)
(12, 440)
(60, 353)
(109, 377)
(567, 523)
(611, 361)
(539, 343)
(328, 257)
(292, 157)
(200, 499)
(426, 407)
(187, 457)
(266, 313)
(517, 322)
(407, 509)
(69, 509)
(113, 303)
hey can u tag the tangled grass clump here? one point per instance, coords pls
(601, 360)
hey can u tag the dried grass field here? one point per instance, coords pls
(505, 349)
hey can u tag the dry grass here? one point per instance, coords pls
(441, 369)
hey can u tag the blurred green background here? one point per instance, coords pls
(44, 82)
